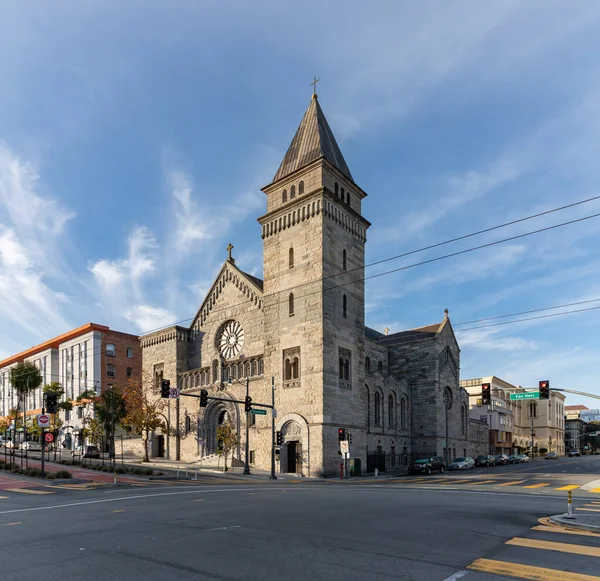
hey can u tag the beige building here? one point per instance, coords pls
(301, 329)
(545, 418)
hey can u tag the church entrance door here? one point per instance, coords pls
(160, 446)
(292, 451)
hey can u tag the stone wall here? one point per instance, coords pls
(478, 438)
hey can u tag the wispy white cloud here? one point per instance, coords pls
(148, 318)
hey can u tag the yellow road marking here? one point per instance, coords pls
(527, 571)
(10, 524)
(538, 485)
(68, 486)
(595, 490)
(564, 531)
(511, 482)
(483, 481)
(552, 546)
(568, 487)
(28, 491)
(589, 509)
(121, 510)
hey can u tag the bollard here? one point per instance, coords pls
(570, 505)
(376, 472)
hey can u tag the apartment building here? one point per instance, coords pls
(90, 357)
(573, 412)
(544, 418)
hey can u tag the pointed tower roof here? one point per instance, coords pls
(312, 141)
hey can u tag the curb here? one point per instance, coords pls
(559, 519)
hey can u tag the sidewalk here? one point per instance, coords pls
(587, 522)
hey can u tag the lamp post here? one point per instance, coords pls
(247, 447)
(448, 406)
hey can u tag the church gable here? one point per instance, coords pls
(248, 293)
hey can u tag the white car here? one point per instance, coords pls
(32, 446)
(463, 463)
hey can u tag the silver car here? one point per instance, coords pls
(463, 463)
(31, 445)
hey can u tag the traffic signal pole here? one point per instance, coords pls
(273, 477)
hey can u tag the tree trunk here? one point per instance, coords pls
(146, 458)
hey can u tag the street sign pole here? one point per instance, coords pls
(43, 444)
(273, 414)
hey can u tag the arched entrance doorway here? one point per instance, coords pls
(216, 414)
(291, 451)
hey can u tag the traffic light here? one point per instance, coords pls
(165, 388)
(203, 398)
(51, 403)
(279, 439)
(544, 389)
(349, 438)
(341, 434)
(486, 398)
(248, 404)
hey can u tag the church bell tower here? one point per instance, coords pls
(313, 252)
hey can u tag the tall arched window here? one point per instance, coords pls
(284, 196)
(291, 304)
(295, 367)
(368, 363)
(336, 188)
(345, 305)
(368, 408)
(292, 192)
(291, 258)
(462, 419)
(300, 188)
(347, 370)
(403, 410)
(344, 263)
(348, 198)
(377, 408)
(391, 411)
(343, 195)
(288, 370)
(341, 368)
(188, 424)
(380, 366)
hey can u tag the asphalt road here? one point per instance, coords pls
(317, 531)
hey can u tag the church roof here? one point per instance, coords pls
(257, 281)
(418, 334)
(313, 140)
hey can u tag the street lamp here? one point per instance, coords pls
(246, 463)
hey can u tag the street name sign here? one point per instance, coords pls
(43, 420)
(258, 412)
(528, 395)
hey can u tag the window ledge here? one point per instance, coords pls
(345, 384)
(292, 383)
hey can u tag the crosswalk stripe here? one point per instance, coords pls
(568, 487)
(527, 571)
(553, 546)
(28, 491)
(483, 481)
(564, 531)
(512, 482)
(538, 485)
(589, 509)
(3, 497)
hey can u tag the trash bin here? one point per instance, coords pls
(355, 467)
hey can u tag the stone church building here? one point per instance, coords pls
(302, 330)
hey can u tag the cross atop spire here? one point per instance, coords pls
(314, 86)
(230, 247)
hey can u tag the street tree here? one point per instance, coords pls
(25, 378)
(227, 440)
(85, 401)
(110, 409)
(144, 412)
(95, 431)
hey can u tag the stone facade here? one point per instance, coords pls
(302, 330)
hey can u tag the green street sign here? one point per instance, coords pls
(258, 412)
(528, 395)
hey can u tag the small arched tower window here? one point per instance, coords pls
(368, 364)
(343, 195)
(348, 198)
(295, 368)
(300, 188)
(336, 188)
(288, 370)
(291, 304)
(284, 196)
(292, 192)
(291, 258)
(380, 366)
(341, 368)
(345, 305)
(344, 264)
(188, 424)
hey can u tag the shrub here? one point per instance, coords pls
(120, 470)
(149, 471)
(62, 474)
(50, 476)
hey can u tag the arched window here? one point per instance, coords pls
(288, 370)
(391, 411)
(291, 304)
(368, 408)
(368, 363)
(254, 368)
(291, 258)
(248, 373)
(380, 366)
(462, 419)
(344, 264)
(341, 368)
(215, 371)
(345, 305)
(188, 424)
(347, 370)
(292, 192)
(348, 198)
(403, 413)
(336, 188)
(300, 188)
(284, 196)
(295, 367)
(343, 195)
(261, 367)
(377, 408)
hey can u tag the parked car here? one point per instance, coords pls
(31, 445)
(551, 456)
(501, 459)
(486, 460)
(514, 459)
(574, 453)
(462, 464)
(524, 458)
(427, 465)
(91, 452)
(11, 444)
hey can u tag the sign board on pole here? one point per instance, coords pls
(48, 437)
(528, 395)
(43, 420)
(258, 412)
(345, 447)
(174, 393)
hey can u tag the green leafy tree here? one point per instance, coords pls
(25, 378)
(95, 431)
(86, 401)
(110, 407)
(227, 440)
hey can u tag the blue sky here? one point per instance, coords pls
(135, 137)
